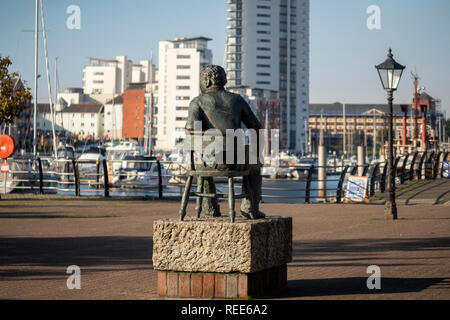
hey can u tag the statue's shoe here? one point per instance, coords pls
(259, 215)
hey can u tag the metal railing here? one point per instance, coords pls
(163, 179)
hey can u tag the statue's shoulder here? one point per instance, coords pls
(195, 101)
(232, 96)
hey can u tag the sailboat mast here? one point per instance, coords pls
(344, 135)
(36, 40)
(50, 98)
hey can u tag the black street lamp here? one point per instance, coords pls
(390, 73)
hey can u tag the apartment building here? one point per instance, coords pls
(180, 63)
(268, 48)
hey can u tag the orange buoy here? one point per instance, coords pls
(7, 146)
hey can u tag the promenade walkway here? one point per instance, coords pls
(333, 244)
(420, 192)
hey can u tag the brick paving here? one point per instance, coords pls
(111, 241)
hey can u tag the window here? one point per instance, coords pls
(262, 57)
(183, 67)
(92, 124)
(263, 65)
(263, 32)
(262, 82)
(97, 81)
(182, 108)
(262, 49)
(182, 98)
(183, 77)
(263, 15)
(183, 56)
(262, 74)
(263, 40)
(263, 23)
(183, 87)
(181, 118)
(96, 74)
(263, 7)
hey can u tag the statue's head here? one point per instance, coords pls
(212, 76)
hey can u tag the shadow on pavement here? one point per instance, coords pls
(82, 251)
(303, 250)
(357, 286)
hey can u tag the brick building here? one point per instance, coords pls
(133, 113)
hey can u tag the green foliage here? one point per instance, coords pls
(13, 97)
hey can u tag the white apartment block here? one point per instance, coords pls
(180, 63)
(103, 79)
(113, 118)
(268, 48)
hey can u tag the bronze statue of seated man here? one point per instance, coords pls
(219, 109)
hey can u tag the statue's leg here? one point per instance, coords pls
(185, 197)
(252, 187)
(210, 206)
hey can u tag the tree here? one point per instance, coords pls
(13, 95)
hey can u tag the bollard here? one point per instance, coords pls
(322, 173)
(361, 161)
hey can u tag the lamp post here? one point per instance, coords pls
(390, 73)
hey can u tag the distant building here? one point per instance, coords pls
(366, 119)
(113, 118)
(84, 119)
(268, 48)
(103, 79)
(180, 63)
(133, 113)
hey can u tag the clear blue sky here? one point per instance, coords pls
(343, 51)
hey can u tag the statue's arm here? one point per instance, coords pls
(194, 114)
(248, 117)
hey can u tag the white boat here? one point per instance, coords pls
(87, 161)
(139, 171)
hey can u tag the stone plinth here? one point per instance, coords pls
(212, 257)
(217, 245)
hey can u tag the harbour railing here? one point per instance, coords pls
(165, 179)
